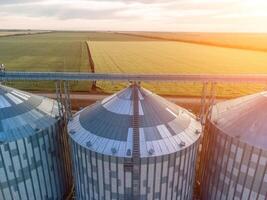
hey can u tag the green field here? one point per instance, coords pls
(56, 51)
(177, 57)
(45, 52)
(18, 32)
(112, 52)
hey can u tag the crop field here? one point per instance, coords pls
(18, 32)
(56, 51)
(247, 41)
(45, 52)
(177, 57)
(121, 53)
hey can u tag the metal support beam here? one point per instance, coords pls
(60, 109)
(211, 100)
(63, 99)
(205, 137)
(202, 78)
(203, 103)
(67, 100)
(63, 108)
(207, 101)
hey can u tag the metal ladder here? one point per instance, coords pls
(136, 143)
(63, 99)
(64, 107)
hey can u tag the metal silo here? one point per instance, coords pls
(32, 165)
(134, 145)
(235, 150)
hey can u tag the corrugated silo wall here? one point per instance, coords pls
(165, 177)
(32, 167)
(232, 169)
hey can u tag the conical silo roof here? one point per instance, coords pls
(23, 114)
(243, 118)
(106, 127)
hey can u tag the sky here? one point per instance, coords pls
(136, 15)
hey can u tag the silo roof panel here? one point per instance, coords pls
(151, 133)
(243, 118)
(105, 123)
(109, 123)
(22, 111)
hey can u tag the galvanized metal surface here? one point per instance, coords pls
(232, 169)
(32, 167)
(53, 76)
(23, 114)
(244, 118)
(168, 177)
(234, 152)
(105, 161)
(106, 127)
(136, 142)
(33, 159)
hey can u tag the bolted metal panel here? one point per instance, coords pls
(169, 177)
(154, 157)
(32, 167)
(34, 163)
(243, 118)
(235, 150)
(106, 127)
(234, 169)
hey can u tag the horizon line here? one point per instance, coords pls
(95, 30)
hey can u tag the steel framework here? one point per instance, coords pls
(71, 76)
(62, 79)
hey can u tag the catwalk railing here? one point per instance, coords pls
(69, 76)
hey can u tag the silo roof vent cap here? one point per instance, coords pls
(113, 150)
(89, 144)
(182, 144)
(151, 151)
(37, 129)
(129, 152)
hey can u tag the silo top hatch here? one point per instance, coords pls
(23, 114)
(106, 127)
(244, 118)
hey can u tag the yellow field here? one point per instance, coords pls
(248, 41)
(176, 57)
(113, 52)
